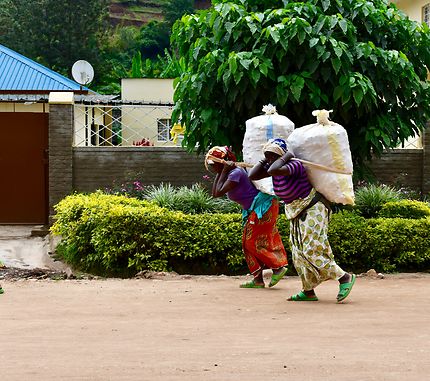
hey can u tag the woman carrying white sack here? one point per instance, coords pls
(309, 215)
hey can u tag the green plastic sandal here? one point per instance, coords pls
(302, 297)
(1, 290)
(345, 289)
(251, 284)
(277, 277)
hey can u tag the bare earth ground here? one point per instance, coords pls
(206, 328)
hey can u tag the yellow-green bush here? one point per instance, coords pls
(405, 209)
(385, 244)
(115, 235)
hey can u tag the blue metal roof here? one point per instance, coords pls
(19, 73)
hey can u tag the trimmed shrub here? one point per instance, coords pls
(116, 235)
(399, 244)
(347, 239)
(385, 244)
(405, 209)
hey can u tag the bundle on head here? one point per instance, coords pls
(219, 154)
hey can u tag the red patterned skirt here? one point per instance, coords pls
(262, 243)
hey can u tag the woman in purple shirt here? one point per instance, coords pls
(261, 241)
(309, 213)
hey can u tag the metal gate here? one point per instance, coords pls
(24, 168)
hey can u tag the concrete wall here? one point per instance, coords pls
(98, 168)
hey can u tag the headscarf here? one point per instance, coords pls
(220, 152)
(278, 146)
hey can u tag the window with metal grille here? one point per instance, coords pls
(426, 14)
(164, 126)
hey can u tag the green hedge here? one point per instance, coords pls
(405, 209)
(116, 235)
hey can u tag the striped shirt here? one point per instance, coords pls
(297, 185)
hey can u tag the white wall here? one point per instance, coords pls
(147, 89)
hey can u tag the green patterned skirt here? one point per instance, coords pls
(311, 251)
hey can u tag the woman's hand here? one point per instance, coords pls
(228, 166)
(286, 157)
(278, 167)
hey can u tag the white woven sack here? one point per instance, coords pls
(259, 130)
(325, 143)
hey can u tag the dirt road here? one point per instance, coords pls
(206, 328)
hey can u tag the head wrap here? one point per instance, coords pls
(278, 146)
(224, 153)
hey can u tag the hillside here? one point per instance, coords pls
(140, 12)
(134, 12)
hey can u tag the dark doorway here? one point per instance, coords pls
(24, 168)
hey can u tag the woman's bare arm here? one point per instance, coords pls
(258, 172)
(278, 167)
(221, 184)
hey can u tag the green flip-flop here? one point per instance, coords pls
(277, 277)
(1, 290)
(345, 289)
(251, 284)
(302, 297)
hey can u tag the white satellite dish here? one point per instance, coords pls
(82, 72)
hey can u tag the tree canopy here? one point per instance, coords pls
(364, 59)
(55, 33)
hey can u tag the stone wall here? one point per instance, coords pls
(98, 167)
(60, 153)
(403, 167)
(426, 162)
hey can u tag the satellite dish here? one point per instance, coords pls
(82, 72)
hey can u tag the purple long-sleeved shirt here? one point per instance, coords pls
(297, 185)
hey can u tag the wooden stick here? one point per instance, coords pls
(305, 162)
(323, 167)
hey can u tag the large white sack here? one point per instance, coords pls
(326, 143)
(259, 130)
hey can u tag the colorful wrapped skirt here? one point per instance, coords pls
(261, 242)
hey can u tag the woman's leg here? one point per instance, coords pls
(264, 241)
(254, 265)
(313, 254)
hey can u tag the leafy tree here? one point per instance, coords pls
(116, 53)
(55, 33)
(364, 59)
(154, 38)
(165, 66)
(175, 9)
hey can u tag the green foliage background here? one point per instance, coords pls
(56, 33)
(364, 59)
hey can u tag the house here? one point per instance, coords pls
(25, 161)
(141, 118)
(63, 138)
(154, 126)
